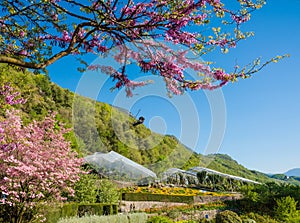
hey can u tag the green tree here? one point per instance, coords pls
(91, 189)
(286, 210)
(86, 189)
(107, 192)
(249, 193)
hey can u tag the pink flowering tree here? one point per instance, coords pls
(37, 33)
(36, 165)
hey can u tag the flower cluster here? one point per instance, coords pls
(240, 19)
(120, 78)
(166, 191)
(11, 97)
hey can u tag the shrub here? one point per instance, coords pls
(228, 217)
(137, 217)
(286, 209)
(96, 219)
(157, 197)
(70, 209)
(92, 190)
(257, 218)
(187, 221)
(249, 221)
(121, 218)
(173, 214)
(86, 189)
(93, 209)
(159, 219)
(107, 192)
(54, 212)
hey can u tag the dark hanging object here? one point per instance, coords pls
(140, 121)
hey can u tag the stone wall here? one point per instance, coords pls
(210, 199)
(197, 215)
(131, 206)
(128, 206)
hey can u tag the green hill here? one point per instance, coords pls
(99, 127)
(226, 164)
(293, 172)
(287, 179)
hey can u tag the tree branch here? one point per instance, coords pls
(21, 63)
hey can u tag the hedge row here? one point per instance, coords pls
(54, 213)
(121, 218)
(157, 197)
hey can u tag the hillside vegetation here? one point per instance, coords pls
(99, 127)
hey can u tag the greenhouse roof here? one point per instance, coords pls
(197, 169)
(115, 166)
(193, 171)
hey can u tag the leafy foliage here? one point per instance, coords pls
(257, 218)
(55, 212)
(228, 217)
(159, 219)
(107, 192)
(86, 189)
(270, 200)
(91, 189)
(286, 209)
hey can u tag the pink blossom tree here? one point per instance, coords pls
(36, 165)
(37, 33)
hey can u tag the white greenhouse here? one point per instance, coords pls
(115, 166)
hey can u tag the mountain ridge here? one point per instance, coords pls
(295, 172)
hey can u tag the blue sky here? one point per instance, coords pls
(261, 114)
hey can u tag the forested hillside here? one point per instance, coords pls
(99, 127)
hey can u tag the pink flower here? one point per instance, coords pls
(11, 97)
(2, 24)
(23, 53)
(221, 75)
(66, 36)
(81, 33)
(102, 49)
(22, 33)
(55, 17)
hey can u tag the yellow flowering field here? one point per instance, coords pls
(171, 191)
